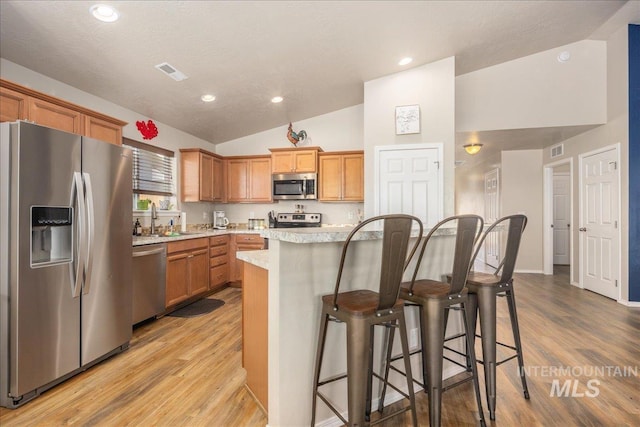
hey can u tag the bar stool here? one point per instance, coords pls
(484, 288)
(434, 300)
(361, 310)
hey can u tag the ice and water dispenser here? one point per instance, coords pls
(51, 235)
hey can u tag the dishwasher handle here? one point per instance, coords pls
(150, 252)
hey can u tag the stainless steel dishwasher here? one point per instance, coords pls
(149, 267)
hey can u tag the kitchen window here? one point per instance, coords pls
(153, 172)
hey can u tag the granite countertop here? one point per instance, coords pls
(334, 234)
(148, 240)
(258, 258)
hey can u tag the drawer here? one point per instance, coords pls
(218, 240)
(187, 245)
(249, 239)
(218, 275)
(217, 250)
(218, 260)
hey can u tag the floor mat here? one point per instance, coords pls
(198, 308)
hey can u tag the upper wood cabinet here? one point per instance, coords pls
(341, 176)
(286, 160)
(13, 105)
(201, 178)
(249, 179)
(21, 103)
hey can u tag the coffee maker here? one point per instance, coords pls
(220, 221)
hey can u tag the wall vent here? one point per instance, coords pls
(171, 71)
(557, 150)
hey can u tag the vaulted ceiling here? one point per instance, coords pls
(315, 54)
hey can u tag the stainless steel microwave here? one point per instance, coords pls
(294, 186)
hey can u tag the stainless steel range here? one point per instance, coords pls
(289, 220)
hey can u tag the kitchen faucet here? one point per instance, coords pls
(154, 216)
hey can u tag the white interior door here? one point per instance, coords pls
(491, 215)
(409, 180)
(561, 218)
(600, 234)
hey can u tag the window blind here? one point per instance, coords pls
(152, 168)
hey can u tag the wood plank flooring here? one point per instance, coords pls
(187, 372)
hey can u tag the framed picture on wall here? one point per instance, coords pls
(407, 119)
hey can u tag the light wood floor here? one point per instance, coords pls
(187, 372)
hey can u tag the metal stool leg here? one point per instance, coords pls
(407, 367)
(471, 357)
(433, 331)
(487, 308)
(387, 366)
(358, 346)
(322, 335)
(513, 314)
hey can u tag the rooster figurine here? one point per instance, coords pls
(295, 137)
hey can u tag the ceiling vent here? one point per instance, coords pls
(557, 150)
(171, 71)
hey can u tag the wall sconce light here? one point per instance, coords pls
(472, 148)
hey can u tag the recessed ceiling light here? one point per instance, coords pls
(104, 13)
(564, 56)
(208, 98)
(276, 99)
(405, 61)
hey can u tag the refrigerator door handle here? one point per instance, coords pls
(88, 264)
(77, 195)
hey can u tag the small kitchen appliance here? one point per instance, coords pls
(294, 186)
(291, 220)
(220, 221)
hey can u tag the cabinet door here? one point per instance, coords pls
(13, 105)
(283, 162)
(353, 177)
(199, 271)
(54, 116)
(330, 177)
(237, 178)
(306, 161)
(218, 180)
(102, 130)
(177, 286)
(242, 242)
(260, 180)
(206, 177)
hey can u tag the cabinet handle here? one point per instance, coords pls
(190, 256)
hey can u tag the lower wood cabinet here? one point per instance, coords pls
(187, 269)
(242, 242)
(218, 262)
(255, 331)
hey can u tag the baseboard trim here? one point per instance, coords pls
(633, 304)
(530, 271)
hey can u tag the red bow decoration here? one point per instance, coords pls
(148, 130)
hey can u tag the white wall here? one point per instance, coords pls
(430, 86)
(521, 192)
(168, 137)
(616, 130)
(536, 91)
(339, 130)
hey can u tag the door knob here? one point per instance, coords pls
(582, 229)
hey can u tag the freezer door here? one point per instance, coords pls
(43, 333)
(107, 294)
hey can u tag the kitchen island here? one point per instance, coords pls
(301, 266)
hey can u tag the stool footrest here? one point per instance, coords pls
(332, 379)
(330, 405)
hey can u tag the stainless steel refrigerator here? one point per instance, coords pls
(65, 256)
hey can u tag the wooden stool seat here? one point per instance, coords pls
(483, 279)
(361, 302)
(426, 289)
